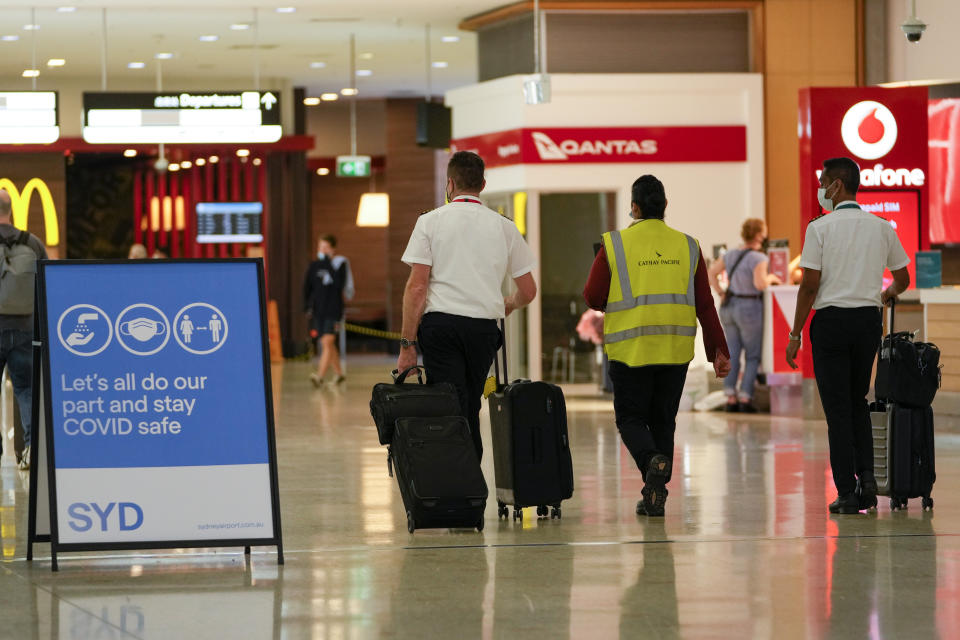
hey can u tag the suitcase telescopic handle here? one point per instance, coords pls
(893, 313)
(501, 352)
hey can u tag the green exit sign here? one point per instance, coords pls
(353, 166)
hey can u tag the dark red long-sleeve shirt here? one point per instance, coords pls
(598, 287)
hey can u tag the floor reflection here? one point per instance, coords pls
(747, 548)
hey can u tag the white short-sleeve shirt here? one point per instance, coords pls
(851, 248)
(470, 250)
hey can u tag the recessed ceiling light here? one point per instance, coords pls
(323, 171)
(318, 65)
(186, 164)
(349, 91)
(439, 64)
(450, 39)
(31, 73)
(136, 65)
(311, 102)
(31, 27)
(10, 38)
(66, 9)
(214, 159)
(173, 166)
(208, 38)
(130, 153)
(200, 162)
(240, 26)
(329, 97)
(163, 56)
(243, 153)
(56, 62)
(366, 56)
(364, 72)
(257, 162)
(286, 9)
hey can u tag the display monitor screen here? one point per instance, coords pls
(901, 209)
(229, 222)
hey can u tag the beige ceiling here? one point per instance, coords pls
(392, 31)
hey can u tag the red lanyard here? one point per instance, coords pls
(469, 199)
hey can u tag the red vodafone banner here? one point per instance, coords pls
(608, 145)
(884, 130)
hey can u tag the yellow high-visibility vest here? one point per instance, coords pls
(651, 314)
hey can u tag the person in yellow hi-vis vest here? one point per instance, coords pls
(651, 282)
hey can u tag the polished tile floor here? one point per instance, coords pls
(747, 548)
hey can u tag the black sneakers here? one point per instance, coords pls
(848, 503)
(654, 489)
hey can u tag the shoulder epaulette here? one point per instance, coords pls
(815, 218)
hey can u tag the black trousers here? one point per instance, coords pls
(460, 350)
(646, 400)
(845, 343)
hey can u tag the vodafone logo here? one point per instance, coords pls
(547, 149)
(869, 130)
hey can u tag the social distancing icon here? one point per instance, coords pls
(201, 328)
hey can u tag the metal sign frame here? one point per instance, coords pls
(41, 344)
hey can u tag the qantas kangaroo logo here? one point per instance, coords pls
(547, 149)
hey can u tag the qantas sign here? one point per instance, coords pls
(609, 145)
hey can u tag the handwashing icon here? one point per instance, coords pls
(143, 329)
(85, 330)
(82, 334)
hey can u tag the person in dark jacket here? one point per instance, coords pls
(327, 284)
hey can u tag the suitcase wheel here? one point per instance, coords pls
(556, 513)
(927, 503)
(480, 524)
(517, 514)
(502, 511)
(898, 504)
(411, 524)
(542, 511)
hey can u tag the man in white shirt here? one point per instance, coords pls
(459, 255)
(844, 256)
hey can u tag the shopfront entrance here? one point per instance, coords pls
(570, 225)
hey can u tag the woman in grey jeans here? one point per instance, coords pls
(742, 317)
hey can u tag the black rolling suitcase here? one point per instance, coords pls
(438, 472)
(908, 376)
(531, 448)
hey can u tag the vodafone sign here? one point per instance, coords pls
(884, 130)
(869, 130)
(608, 145)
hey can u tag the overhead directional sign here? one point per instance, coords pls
(180, 116)
(28, 117)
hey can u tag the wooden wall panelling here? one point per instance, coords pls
(410, 183)
(334, 210)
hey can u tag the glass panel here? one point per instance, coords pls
(570, 225)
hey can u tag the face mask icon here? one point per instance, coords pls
(142, 329)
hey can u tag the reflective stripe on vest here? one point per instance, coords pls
(630, 301)
(650, 330)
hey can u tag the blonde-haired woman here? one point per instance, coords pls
(742, 312)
